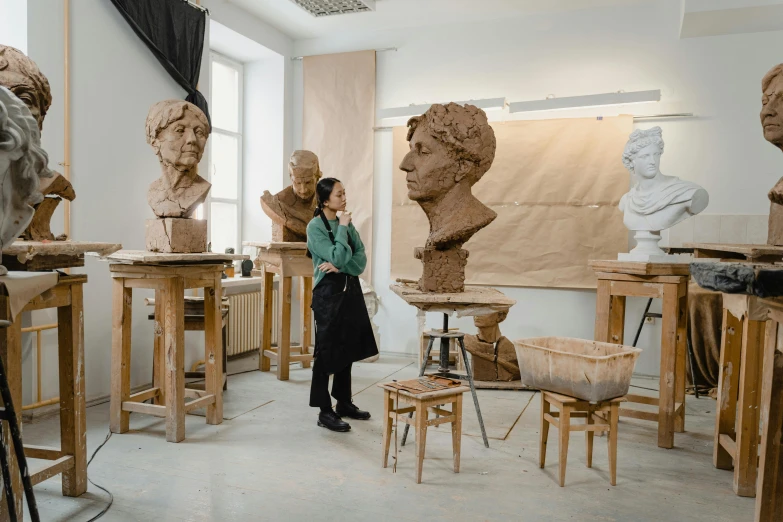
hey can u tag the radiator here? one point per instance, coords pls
(244, 321)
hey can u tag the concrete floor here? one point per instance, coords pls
(271, 462)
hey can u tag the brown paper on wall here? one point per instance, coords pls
(339, 114)
(555, 185)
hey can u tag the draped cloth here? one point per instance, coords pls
(174, 31)
(671, 191)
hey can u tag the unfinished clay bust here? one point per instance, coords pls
(22, 164)
(494, 356)
(452, 147)
(21, 75)
(655, 202)
(178, 132)
(772, 123)
(292, 208)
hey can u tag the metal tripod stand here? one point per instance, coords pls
(443, 368)
(8, 414)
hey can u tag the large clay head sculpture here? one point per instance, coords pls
(177, 131)
(22, 164)
(292, 208)
(451, 148)
(655, 202)
(21, 76)
(772, 106)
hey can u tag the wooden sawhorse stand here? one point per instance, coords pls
(169, 282)
(70, 459)
(739, 390)
(620, 279)
(287, 260)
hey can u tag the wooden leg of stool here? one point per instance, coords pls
(284, 330)
(388, 404)
(589, 437)
(544, 431)
(11, 352)
(564, 432)
(456, 431)
(747, 442)
(159, 353)
(614, 415)
(306, 314)
(728, 386)
(174, 333)
(666, 388)
(122, 301)
(213, 347)
(680, 366)
(421, 438)
(769, 496)
(264, 362)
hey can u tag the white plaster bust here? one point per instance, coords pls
(655, 202)
(22, 165)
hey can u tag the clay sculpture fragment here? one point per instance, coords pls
(177, 131)
(22, 165)
(21, 76)
(292, 208)
(655, 202)
(772, 123)
(494, 356)
(451, 148)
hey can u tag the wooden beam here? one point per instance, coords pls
(199, 403)
(55, 468)
(42, 452)
(147, 409)
(144, 395)
(728, 443)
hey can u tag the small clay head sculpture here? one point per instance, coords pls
(642, 154)
(772, 106)
(305, 172)
(178, 132)
(22, 163)
(450, 144)
(21, 76)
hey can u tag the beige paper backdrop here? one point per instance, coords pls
(339, 113)
(555, 185)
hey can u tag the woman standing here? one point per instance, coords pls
(343, 333)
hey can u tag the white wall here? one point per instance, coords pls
(582, 52)
(13, 24)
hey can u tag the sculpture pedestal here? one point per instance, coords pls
(775, 234)
(176, 235)
(444, 270)
(648, 251)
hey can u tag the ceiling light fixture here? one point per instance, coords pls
(320, 8)
(488, 104)
(592, 100)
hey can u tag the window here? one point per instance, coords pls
(225, 171)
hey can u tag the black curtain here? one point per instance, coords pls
(174, 32)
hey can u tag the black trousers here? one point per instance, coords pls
(319, 388)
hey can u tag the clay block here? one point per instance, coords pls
(775, 234)
(739, 278)
(483, 361)
(176, 235)
(281, 234)
(444, 270)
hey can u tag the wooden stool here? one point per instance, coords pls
(600, 417)
(769, 489)
(70, 459)
(739, 390)
(287, 260)
(169, 283)
(421, 404)
(620, 279)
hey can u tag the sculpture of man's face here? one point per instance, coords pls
(432, 171)
(24, 89)
(647, 162)
(303, 184)
(772, 112)
(181, 144)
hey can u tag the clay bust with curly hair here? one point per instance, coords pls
(177, 130)
(451, 148)
(22, 165)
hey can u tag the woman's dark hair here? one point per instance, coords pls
(323, 192)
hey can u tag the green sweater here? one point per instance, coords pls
(339, 254)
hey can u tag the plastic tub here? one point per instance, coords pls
(587, 370)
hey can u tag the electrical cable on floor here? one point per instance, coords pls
(111, 497)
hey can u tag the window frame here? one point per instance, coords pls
(239, 67)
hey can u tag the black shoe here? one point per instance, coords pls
(331, 421)
(351, 411)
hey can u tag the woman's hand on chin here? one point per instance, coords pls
(328, 268)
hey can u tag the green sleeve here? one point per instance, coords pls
(320, 245)
(358, 261)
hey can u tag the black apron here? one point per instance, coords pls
(343, 333)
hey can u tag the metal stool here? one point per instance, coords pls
(8, 414)
(443, 368)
